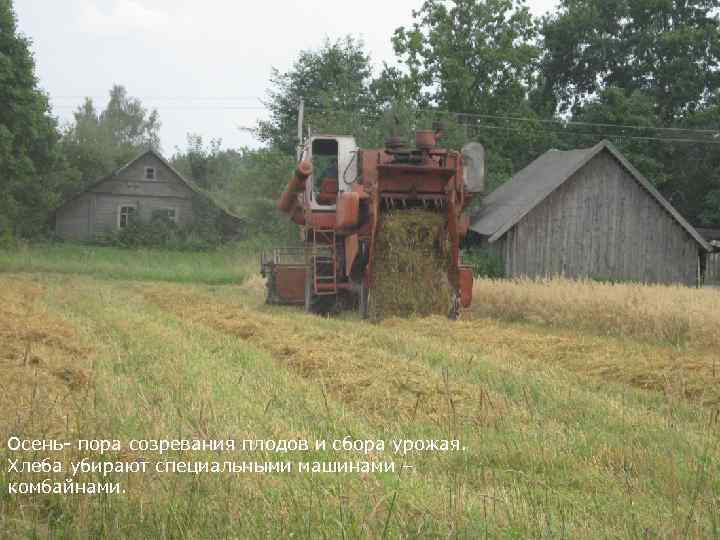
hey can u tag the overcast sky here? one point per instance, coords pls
(203, 65)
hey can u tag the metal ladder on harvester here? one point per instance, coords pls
(324, 262)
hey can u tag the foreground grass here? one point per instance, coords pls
(552, 449)
(229, 265)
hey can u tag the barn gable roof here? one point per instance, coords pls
(509, 203)
(167, 164)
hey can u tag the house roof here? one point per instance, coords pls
(508, 204)
(157, 155)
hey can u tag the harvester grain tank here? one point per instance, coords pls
(338, 195)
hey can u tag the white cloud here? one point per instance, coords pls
(121, 16)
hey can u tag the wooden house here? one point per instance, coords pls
(143, 189)
(588, 213)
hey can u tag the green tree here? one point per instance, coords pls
(31, 168)
(711, 212)
(695, 167)
(334, 79)
(261, 178)
(667, 48)
(98, 142)
(647, 63)
(629, 121)
(478, 58)
(210, 168)
(128, 122)
(246, 182)
(471, 55)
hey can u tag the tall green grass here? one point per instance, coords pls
(232, 264)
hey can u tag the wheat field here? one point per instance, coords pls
(677, 315)
(585, 410)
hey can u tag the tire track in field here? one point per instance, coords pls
(345, 359)
(373, 359)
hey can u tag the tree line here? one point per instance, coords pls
(642, 73)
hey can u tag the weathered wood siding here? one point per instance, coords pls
(97, 210)
(601, 224)
(108, 209)
(712, 270)
(72, 221)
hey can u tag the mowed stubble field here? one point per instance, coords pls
(586, 410)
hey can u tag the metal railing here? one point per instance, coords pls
(283, 255)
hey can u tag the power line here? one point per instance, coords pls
(575, 122)
(603, 135)
(578, 123)
(555, 131)
(184, 108)
(434, 111)
(562, 124)
(537, 120)
(174, 98)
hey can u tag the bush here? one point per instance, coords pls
(7, 240)
(161, 232)
(485, 262)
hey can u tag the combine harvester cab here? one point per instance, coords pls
(339, 195)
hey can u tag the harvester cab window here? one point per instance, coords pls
(325, 167)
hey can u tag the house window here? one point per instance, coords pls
(149, 173)
(166, 214)
(126, 214)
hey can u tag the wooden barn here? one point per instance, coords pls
(588, 213)
(711, 265)
(143, 189)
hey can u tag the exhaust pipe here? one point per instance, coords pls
(288, 199)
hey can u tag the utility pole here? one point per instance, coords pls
(301, 113)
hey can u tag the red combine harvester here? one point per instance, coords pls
(337, 196)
